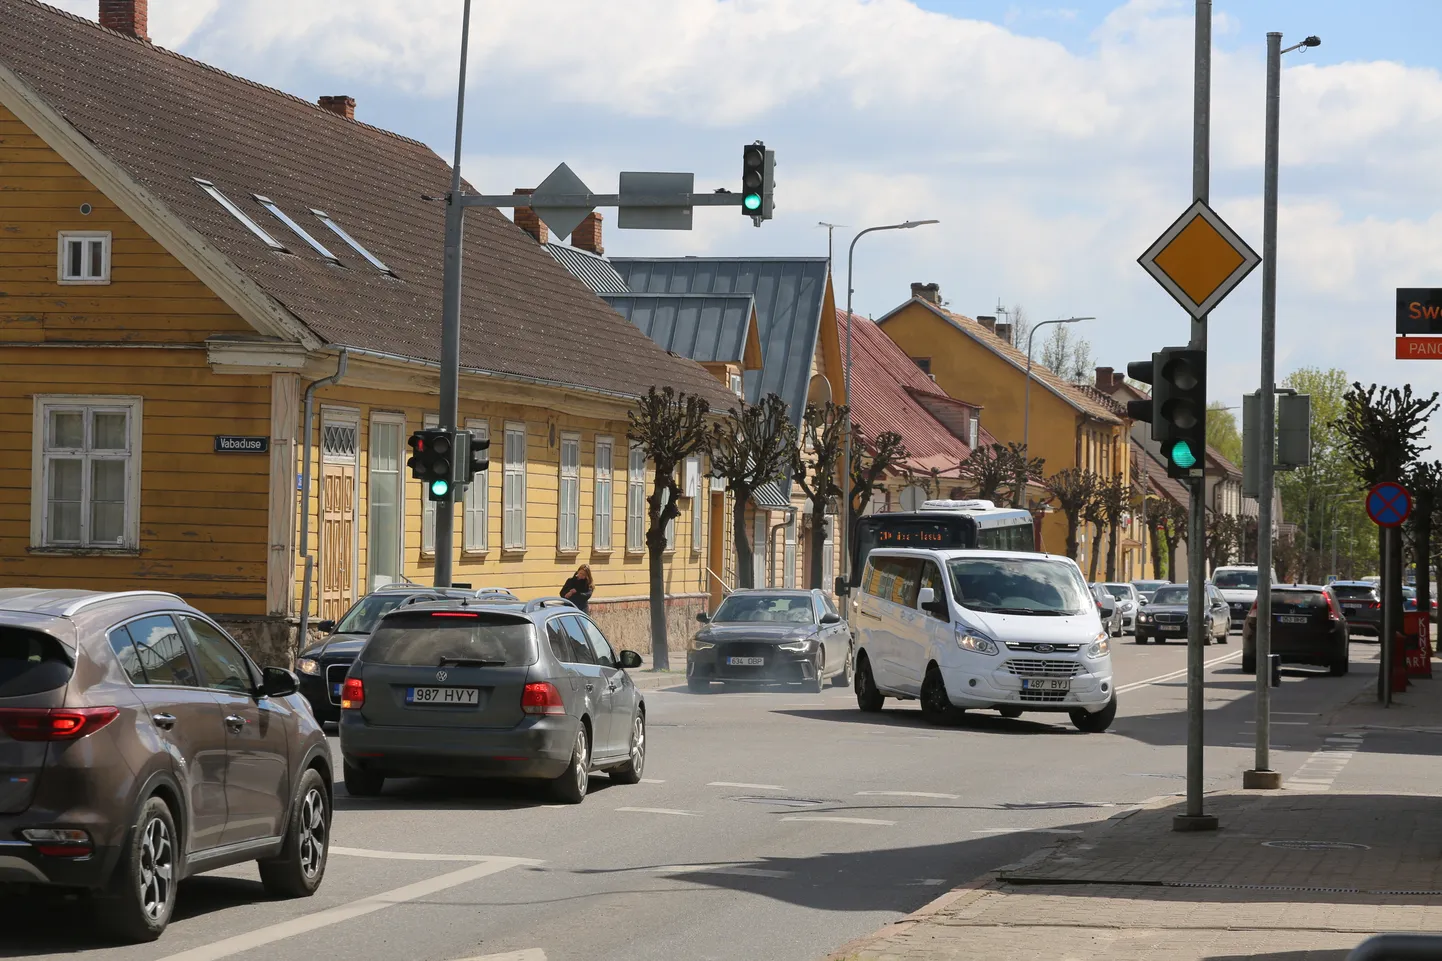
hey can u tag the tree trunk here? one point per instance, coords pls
(1171, 558)
(1112, 551)
(660, 653)
(1154, 535)
(1424, 551)
(745, 560)
(818, 545)
(1071, 529)
(1096, 555)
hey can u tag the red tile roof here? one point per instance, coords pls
(885, 387)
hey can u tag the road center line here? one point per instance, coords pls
(684, 814)
(812, 817)
(1134, 685)
(926, 794)
(344, 912)
(746, 784)
(1025, 831)
(405, 856)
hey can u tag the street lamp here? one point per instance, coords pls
(846, 462)
(1262, 775)
(1026, 402)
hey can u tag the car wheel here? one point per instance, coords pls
(698, 685)
(140, 898)
(1140, 638)
(630, 772)
(1249, 664)
(570, 787)
(936, 705)
(301, 865)
(848, 670)
(868, 697)
(1095, 723)
(1012, 713)
(815, 684)
(361, 783)
(1341, 665)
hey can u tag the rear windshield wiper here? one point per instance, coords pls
(448, 661)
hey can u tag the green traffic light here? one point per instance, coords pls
(1182, 454)
(752, 201)
(439, 487)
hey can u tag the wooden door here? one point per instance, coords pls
(338, 514)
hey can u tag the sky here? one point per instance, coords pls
(1052, 140)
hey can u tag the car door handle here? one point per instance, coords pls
(163, 721)
(590, 687)
(235, 722)
(874, 617)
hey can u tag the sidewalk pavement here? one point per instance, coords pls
(647, 679)
(1301, 874)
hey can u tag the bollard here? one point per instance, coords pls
(1274, 668)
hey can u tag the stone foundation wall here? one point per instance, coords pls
(626, 621)
(268, 640)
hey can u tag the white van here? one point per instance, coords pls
(959, 629)
(1238, 584)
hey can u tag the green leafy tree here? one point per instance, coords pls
(1425, 483)
(1223, 433)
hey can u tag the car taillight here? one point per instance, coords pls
(54, 723)
(352, 694)
(1374, 605)
(59, 842)
(542, 698)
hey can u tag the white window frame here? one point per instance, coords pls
(397, 420)
(475, 527)
(737, 384)
(761, 550)
(671, 524)
(428, 506)
(635, 515)
(41, 457)
(513, 515)
(696, 490)
(568, 495)
(788, 552)
(84, 238)
(605, 492)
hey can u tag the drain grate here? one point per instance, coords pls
(788, 802)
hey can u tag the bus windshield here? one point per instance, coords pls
(942, 530)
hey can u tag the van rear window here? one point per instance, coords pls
(451, 637)
(31, 662)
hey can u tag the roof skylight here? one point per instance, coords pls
(354, 244)
(299, 231)
(239, 214)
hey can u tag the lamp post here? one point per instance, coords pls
(846, 457)
(1026, 402)
(1262, 775)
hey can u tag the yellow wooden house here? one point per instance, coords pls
(187, 262)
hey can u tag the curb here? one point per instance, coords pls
(646, 680)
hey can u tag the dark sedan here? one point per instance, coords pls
(771, 636)
(322, 667)
(1165, 618)
(1307, 628)
(1361, 606)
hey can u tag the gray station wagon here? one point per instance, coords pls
(139, 745)
(467, 688)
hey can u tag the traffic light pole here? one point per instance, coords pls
(1195, 819)
(451, 321)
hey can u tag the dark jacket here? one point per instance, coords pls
(582, 597)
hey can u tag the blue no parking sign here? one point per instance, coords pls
(1388, 504)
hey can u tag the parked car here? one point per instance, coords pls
(771, 636)
(964, 629)
(1238, 584)
(1361, 606)
(139, 746)
(1109, 608)
(322, 667)
(1409, 601)
(1307, 628)
(472, 688)
(1128, 600)
(1145, 589)
(1166, 617)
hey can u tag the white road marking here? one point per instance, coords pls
(1134, 685)
(1025, 831)
(686, 814)
(653, 780)
(813, 817)
(345, 912)
(530, 954)
(1324, 765)
(738, 870)
(1297, 713)
(1283, 723)
(928, 794)
(405, 856)
(746, 784)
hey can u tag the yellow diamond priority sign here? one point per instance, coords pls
(1199, 259)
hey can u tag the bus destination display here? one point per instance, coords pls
(937, 535)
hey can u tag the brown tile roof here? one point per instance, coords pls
(1083, 401)
(1215, 456)
(164, 119)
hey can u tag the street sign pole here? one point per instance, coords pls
(1389, 504)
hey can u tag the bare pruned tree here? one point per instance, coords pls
(751, 447)
(816, 471)
(871, 460)
(1071, 490)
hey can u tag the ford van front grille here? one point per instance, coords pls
(1039, 667)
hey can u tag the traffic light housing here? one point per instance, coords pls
(1141, 410)
(479, 459)
(758, 166)
(1179, 408)
(432, 459)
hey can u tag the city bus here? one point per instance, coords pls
(944, 524)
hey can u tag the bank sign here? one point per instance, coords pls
(232, 444)
(1419, 323)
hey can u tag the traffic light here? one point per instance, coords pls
(480, 460)
(1179, 408)
(431, 459)
(758, 167)
(1141, 410)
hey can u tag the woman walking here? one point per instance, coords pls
(579, 587)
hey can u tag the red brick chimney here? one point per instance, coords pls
(988, 322)
(1118, 379)
(526, 218)
(126, 16)
(1104, 380)
(341, 106)
(588, 235)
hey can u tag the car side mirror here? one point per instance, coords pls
(703, 617)
(925, 597)
(327, 626)
(278, 682)
(830, 618)
(843, 586)
(630, 660)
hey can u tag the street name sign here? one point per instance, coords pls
(1199, 259)
(233, 444)
(1388, 504)
(1419, 323)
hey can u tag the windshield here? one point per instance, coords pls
(1170, 595)
(1236, 580)
(1354, 592)
(782, 608)
(439, 638)
(1030, 586)
(1121, 592)
(364, 616)
(1300, 602)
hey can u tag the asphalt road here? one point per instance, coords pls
(772, 824)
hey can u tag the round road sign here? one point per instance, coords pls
(1388, 504)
